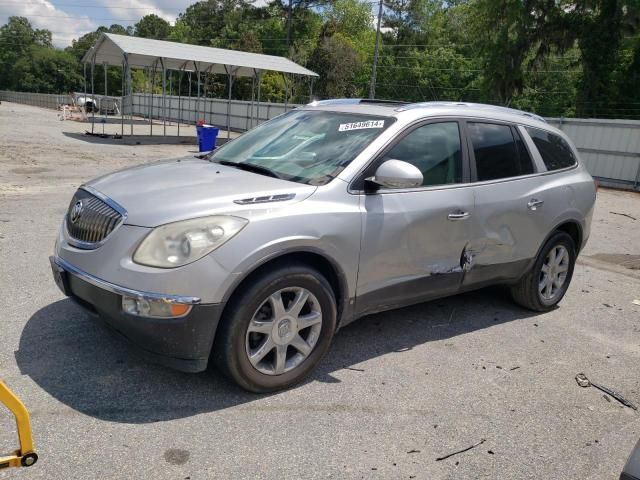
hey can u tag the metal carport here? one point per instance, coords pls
(135, 52)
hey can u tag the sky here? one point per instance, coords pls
(69, 19)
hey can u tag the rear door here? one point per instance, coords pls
(413, 239)
(512, 201)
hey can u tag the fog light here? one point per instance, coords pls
(147, 307)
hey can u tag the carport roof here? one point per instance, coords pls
(143, 52)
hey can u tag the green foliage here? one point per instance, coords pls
(336, 60)
(46, 70)
(553, 57)
(152, 26)
(29, 62)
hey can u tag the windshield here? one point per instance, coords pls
(304, 146)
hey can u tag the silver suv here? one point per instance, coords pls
(254, 255)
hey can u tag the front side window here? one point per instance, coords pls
(304, 146)
(435, 150)
(555, 152)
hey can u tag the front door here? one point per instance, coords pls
(414, 240)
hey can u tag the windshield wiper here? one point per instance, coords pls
(251, 167)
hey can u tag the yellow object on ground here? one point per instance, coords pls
(24, 456)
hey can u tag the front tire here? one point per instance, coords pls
(542, 288)
(276, 329)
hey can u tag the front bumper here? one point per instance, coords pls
(182, 343)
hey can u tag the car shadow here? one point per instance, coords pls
(72, 356)
(109, 139)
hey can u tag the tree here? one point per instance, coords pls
(599, 34)
(47, 70)
(152, 26)
(336, 60)
(508, 31)
(17, 37)
(215, 22)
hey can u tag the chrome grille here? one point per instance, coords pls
(90, 219)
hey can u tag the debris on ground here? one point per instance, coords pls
(636, 302)
(624, 215)
(584, 382)
(354, 369)
(461, 451)
(413, 451)
(514, 368)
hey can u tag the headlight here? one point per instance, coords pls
(179, 243)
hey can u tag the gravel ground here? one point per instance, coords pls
(397, 391)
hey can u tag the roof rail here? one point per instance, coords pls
(355, 101)
(479, 106)
(384, 102)
(337, 101)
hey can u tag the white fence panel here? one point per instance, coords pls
(211, 110)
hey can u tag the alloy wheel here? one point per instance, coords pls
(553, 273)
(283, 331)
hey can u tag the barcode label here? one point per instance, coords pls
(345, 127)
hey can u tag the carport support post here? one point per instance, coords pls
(164, 98)
(189, 90)
(129, 90)
(122, 90)
(104, 66)
(93, 102)
(230, 82)
(259, 75)
(180, 96)
(253, 98)
(195, 67)
(153, 84)
(207, 82)
(286, 90)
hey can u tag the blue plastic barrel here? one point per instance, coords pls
(207, 135)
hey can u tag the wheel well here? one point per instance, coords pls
(314, 260)
(574, 231)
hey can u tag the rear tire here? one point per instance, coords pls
(276, 329)
(548, 280)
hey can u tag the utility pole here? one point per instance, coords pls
(372, 87)
(289, 12)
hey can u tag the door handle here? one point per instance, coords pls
(534, 203)
(458, 216)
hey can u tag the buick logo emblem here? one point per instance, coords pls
(76, 211)
(284, 329)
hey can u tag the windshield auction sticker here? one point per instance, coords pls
(345, 127)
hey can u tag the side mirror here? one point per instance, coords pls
(397, 174)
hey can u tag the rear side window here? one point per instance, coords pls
(555, 152)
(497, 152)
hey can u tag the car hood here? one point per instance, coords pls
(172, 190)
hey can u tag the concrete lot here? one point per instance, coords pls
(396, 391)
